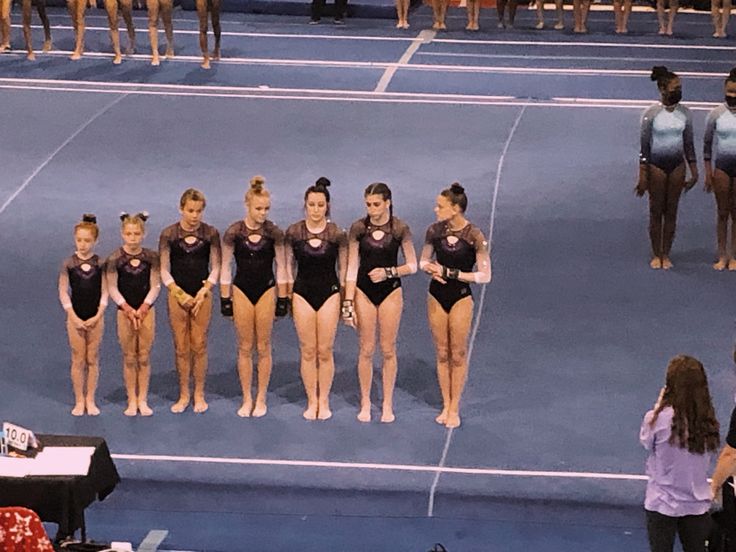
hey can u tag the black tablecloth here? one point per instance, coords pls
(62, 499)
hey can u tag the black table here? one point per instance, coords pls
(62, 499)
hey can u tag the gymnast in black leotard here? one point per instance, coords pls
(452, 248)
(313, 247)
(83, 295)
(256, 245)
(373, 297)
(666, 144)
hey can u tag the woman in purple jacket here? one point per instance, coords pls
(681, 435)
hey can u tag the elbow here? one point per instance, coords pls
(482, 278)
(412, 267)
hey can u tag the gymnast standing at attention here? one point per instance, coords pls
(313, 247)
(373, 296)
(256, 244)
(207, 8)
(27, 5)
(133, 280)
(126, 7)
(162, 9)
(190, 268)
(83, 294)
(720, 127)
(77, 10)
(666, 143)
(452, 248)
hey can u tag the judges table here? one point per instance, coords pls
(62, 499)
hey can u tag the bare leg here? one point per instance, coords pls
(501, 13)
(78, 346)
(674, 4)
(5, 6)
(657, 203)
(661, 17)
(580, 9)
(560, 15)
(111, 7)
(202, 15)
(327, 318)
(153, 11)
(41, 8)
(94, 338)
(367, 315)
(264, 326)
(244, 320)
(27, 10)
(126, 7)
(715, 15)
(200, 328)
(460, 320)
(216, 28)
(167, 8)
(725, 15)
(438, 325)
(625, 16)
(389, 316)
(305, 321)
(540, 15)
(128, 338)
(722, 191)
(77, 9)
(146, 334)
(675, 185)
(180, 331)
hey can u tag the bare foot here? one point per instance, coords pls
(117, 60)
(132, 409)
(406, 25)
(539, 26)
(732, 264)
(130, 50)
(666, 263)
(453, 420)
(260, 410)
(559, 26)
(180, 406)
(75, 56)
(400, 25)
(78, 410)
(4, 47)
(205, 63)
(442, 27)
(92, 409)
(155, 61)
(216, 54)
(324, 413)
(500, 25)
(245, 410)
(365, 413)
(442, 417)
(200, 406)
(310, 413)
(721, 264)
(47, 46)
(144, 409)
(31, 56)
(655, 263)
(169, 53)
(387, 416)
(435, 26)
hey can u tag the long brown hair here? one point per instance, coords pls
(694, 424)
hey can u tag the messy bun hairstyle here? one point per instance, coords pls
(456, 195)
(662, 76)
(257, 188)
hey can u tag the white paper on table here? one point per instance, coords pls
(62, 461)
(14, 467)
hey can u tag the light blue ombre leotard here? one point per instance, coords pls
(721, 125)
(667, 137)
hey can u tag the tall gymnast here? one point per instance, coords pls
(314, 246)
(190, 268)
(373, 296)
(133, 280)
(256, 245)
(666, 143)
(453, 247)
(83, 295)
(720, 128)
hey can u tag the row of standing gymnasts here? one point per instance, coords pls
(313, 269)
(668, 151)
(157, 9)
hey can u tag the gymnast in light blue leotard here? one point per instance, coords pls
(666, 144)
(719, 145)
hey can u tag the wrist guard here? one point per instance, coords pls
(450, 273)
(226, 307)
(391, 272)
(181, 296)
(282, 306)
(347, 310)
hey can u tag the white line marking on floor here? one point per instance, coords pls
(424, 37)
(484, 287)
(375, 466)
(648, 60)
(48, 160)
(153, 540)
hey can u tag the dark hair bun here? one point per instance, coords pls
(124, 215)
(257, 183)
(89, 217)
(732, 74)
(456, 188)
(323, 182)
(143, 215)
(658, 71)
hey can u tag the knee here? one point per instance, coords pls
(367, 351)
(263, 348)
(309, 353)
(443, 354)
(324, 354)
(459, 356)
(389, 353)
(199, 346)
(130, 359)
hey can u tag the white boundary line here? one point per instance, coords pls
(417, 468)
(424, 37)
(153, 540)
(479, 308)
(48, 160)
(649, 60)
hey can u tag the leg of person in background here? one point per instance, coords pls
(675, 186)
(180, 321)
(27, 8)
(661, 17)
(661, 531)
(5, 6)
(146, 334)
(622, 10)
(111, 7)
(316, 10)
(512, 12)
(153, 11)
(402, 14)
(473, 8)
(202, 10)
(725, 15)
(580, 11)
(560, 9)
(540, 15)
(200, 324)
(167, 10)
(715, 15)
(126, 7)
(722, 191)
(305, 321)
(77, 9)
(501, 13)
(341, 7)
(94, 338)
(216, 30)
(41, 8)
(674, 4)
(439, 11)
(657, 199)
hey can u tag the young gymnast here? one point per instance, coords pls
(83, 295)
(453, 247)
(256, 245)
(211, 8)
(27, 5)
(720, 11)
(160, 9)
(559, 8)
(666, 143)
(720, 128)
(126, 7)
(190, 267)
(313, 247)
(373, 296)
(77, 10)
(666, 12)
(439, 12)
(402, 13)
(622, 11)
(133, 280)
